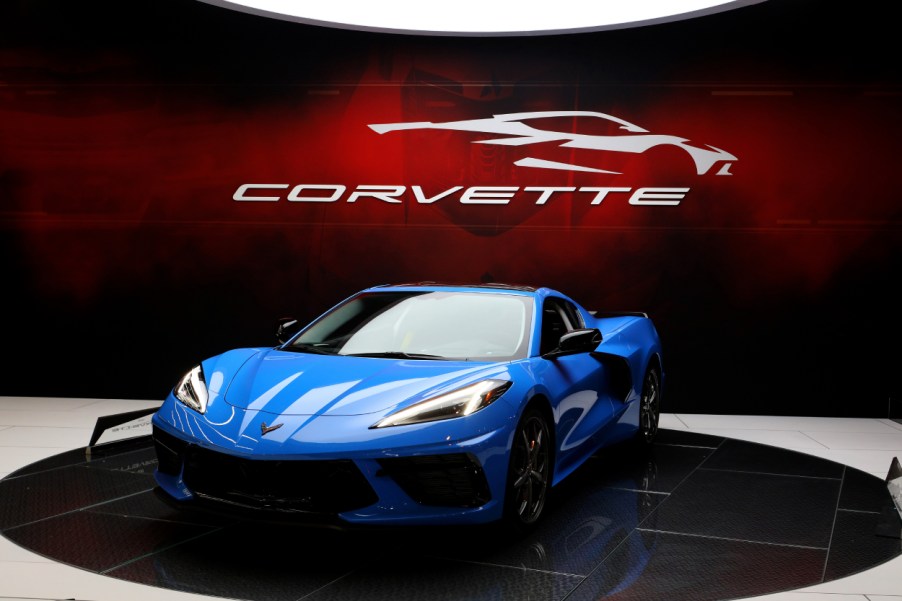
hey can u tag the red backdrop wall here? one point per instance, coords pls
(126, 130)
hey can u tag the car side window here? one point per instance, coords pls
(557, 320)
(573, 316)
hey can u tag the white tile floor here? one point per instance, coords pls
(33, 428)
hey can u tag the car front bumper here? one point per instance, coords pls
(428, 474)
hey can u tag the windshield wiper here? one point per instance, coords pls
(306, 347)
(398, 355)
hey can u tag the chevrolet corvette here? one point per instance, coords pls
(412, 404)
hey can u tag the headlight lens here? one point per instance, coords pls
(458, 403)
(192, 390)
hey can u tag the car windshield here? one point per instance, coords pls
(424, 325)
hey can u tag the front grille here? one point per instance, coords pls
(453, 480)
(330, 486)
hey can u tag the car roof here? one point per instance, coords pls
(460, 286)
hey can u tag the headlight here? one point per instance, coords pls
(458, 403)
(192, 390)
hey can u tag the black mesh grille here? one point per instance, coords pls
(331, 486)
(454, 480)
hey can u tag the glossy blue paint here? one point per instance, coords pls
(324, 406)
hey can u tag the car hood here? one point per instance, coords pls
(290, 383)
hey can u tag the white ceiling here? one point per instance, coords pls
(482, 17)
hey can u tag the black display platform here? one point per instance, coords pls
(696, 518)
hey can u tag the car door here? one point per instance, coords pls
(575, 382)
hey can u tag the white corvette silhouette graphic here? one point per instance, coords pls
(516, 132)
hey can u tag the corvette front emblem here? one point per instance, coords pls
(264, 429)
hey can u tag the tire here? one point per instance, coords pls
(529, 471)
(649, 407)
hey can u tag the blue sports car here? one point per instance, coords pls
(412, 404)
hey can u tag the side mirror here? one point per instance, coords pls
(287, 327)
(577, 341)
